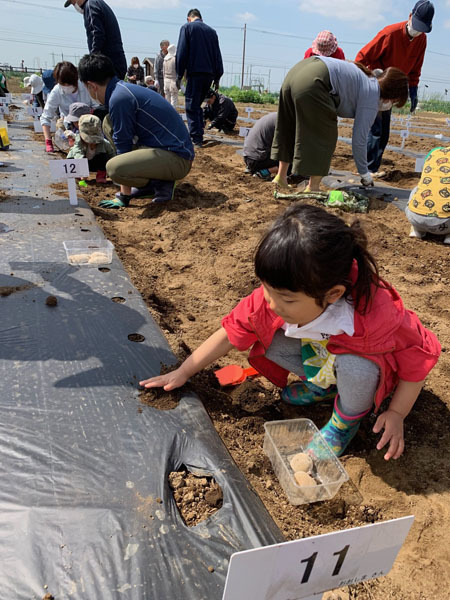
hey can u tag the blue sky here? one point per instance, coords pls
(278, 32)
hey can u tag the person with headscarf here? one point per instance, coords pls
(325, 44)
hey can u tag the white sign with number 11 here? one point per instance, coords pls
(304, 569)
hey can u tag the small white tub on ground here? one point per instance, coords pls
(89, 252)
(283, 440)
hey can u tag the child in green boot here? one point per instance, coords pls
(323, 313)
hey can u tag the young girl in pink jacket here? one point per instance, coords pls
(323, 313)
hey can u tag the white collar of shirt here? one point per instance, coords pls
(337, 318)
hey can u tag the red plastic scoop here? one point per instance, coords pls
(234, 374)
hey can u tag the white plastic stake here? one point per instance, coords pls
(306, 568)
(249, 109)
(72, 185)
(405, 134)
(70, 169)
(243, 131)
(420, 163)
(35, 111)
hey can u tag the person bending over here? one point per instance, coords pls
(428, 208)
(68, 89)
(221, 111)
(257, 147)
(151, 141)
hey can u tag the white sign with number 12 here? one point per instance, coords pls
(304, 569)
(70, 169)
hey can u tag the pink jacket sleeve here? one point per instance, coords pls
(236, 323)
(418, 349)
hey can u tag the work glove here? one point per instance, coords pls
(413, 97)
(216, 85)
(120, 201)
(367, 180)
(178, 83)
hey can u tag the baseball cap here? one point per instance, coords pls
(422, 16)
(210, 93)
(325, 44)
(90, 128)
(77, 110)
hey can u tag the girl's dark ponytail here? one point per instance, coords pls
(367, 268)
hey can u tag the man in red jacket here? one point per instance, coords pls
(403, 46)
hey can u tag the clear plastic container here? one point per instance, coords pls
(89, 252)
(284, 439)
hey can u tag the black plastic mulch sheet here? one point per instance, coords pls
(81, 468)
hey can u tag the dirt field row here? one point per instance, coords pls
(192, 262)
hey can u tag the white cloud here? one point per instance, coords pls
(145, 3)
(349, 10)
(246, 17)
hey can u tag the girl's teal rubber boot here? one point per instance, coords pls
(301, 393)
(341, 428)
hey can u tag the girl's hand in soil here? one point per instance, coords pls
(168, 381)
(216, 346)
(392, 422)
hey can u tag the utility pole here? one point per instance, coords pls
(243, 56)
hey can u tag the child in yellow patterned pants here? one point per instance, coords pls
(428, 208)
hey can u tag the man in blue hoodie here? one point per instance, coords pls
(198, 55)
(102, 31)
(151, 141)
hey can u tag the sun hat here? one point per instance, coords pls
(325, 44)
(422, 16)
(35, 82)
(77, 110)
(90, 128)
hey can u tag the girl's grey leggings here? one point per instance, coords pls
(357, 377)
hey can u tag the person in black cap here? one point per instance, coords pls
(102, 31)
(401, 45)
(221, 111)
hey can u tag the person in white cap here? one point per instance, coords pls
(170, 76)
(325, 44)
(37, 85)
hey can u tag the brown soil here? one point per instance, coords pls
(51, 301)
(7, 290)
(192, 262)
(197, 497)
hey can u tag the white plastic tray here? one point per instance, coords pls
(283, 439)
(89, 252)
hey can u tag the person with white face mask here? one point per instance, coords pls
(315, 92)
(135, 73)
(68, 89)
(102, 31)
(403, 46)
